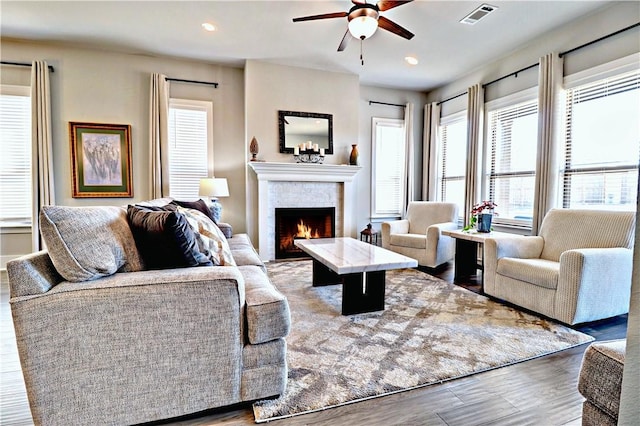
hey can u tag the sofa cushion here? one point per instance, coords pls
(268, 316)
(210, 236)
(199, 205)
(601, 375)
(540, 272)
(87, 243)
(409, 240)
(165, 239)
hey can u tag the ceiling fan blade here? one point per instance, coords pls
(358, 1)
(389, 25)
(345, 41)
(324, 16)
(390, 4)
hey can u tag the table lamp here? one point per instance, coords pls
(214, 188)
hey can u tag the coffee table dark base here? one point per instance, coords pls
(361, 292)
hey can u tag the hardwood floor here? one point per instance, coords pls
(542, 391)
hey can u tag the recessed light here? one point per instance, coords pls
(209, 26)
(411, 60)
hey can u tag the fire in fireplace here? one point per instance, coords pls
(306, 222)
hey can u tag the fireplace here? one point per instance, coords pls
(302, 222)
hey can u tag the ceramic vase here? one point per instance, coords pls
(353, 158)
(484, 222)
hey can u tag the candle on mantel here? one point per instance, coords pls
(321, 152)
(296, 150)
(315, 147)
(309, 144)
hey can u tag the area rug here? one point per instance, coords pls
(431, 331)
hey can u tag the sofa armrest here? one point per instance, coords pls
(184, 324)
(594, 277)
(440, 248)
(516, 246)
(32, 274)
(393, 227)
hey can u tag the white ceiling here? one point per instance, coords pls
(264, 30)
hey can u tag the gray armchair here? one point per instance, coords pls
(577, 270)
(420, 236)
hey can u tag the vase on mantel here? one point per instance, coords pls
(353, 158)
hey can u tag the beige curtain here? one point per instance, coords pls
(430, 150)
(410, 167)
(475, 121)
(41, 147)
(159, 136)
(549, 122)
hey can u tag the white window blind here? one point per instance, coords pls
(452, 164)
(511, 163)
(189, 146)
(15, 161)
(388, 174)
(602, 144)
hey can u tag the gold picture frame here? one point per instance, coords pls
(100, 160)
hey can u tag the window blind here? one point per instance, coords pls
(602, 144)
(15, 161)
(389, 167)
(188, 148)
(453, 160)
(511, 161)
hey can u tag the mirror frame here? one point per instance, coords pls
(284, 149)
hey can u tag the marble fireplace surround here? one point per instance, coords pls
(302, 185)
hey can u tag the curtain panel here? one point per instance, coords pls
(41, 147)
(159, 136)
(409, 167)
(430, 151)
(475, 120)
(549, 132)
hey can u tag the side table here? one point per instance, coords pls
(468, 244)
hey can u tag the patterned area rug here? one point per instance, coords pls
(430, 331)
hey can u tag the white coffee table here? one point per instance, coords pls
(359, 266)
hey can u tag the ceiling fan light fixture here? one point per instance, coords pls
(363, 27)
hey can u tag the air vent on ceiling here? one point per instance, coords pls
(478, 14)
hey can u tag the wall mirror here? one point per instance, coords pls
(296, 128)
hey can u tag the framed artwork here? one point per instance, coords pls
(100, 160)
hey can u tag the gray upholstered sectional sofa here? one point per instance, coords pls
(131, 345)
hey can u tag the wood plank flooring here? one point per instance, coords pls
(542, 391)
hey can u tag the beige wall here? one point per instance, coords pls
(108, 87)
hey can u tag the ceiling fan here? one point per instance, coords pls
(364, 19)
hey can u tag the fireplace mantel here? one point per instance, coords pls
(337, 187)
(308, 172)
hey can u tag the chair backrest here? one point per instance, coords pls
(566, 229)
(423, 214)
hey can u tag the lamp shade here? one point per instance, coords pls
(363, 27)
(214, 187)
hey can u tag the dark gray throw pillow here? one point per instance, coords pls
(199, 205)
(164, 239)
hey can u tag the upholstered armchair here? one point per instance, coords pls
(419, 234)
(578, 269)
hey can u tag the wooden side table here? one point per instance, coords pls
(467, 263)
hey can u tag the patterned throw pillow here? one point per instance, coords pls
(209, 236)
(199, 205)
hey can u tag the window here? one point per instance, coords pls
(190, 146)
(602, 144)
(511, 159)
(452, 160)
(389, 171)
(15, 161)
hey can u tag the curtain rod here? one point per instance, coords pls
(386, 103)
(561, 54)
(515, 73)
(208, 83)
(452, 98)
(22, 64)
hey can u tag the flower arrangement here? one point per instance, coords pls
(485, 207)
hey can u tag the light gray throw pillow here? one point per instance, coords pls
(86, 243)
